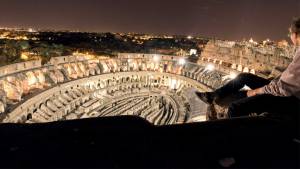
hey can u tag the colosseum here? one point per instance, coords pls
(159, 88)
(155, 87)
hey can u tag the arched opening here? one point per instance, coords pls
(29, 116)
(40, 106)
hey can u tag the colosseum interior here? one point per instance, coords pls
(159, 88)
(160, 91)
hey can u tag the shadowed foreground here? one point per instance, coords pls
(129, 141)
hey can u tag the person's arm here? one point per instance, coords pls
(289, 82)
(255, 92)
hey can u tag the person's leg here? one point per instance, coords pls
(239, 82)
(232, 88)
(225, 101)
(264, 103)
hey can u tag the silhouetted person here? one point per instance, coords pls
(280, 96)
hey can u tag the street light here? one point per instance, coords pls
(210, 67)
(24, 56)
(181, 61)
(156, 58)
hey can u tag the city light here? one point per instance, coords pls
(210, 67)
(156, 58)
(190, 37)
(193, 52)
(266, 41)
(251, 40)
(24, 56)
(173, 84)
(181, 61)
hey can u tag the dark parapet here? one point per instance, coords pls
(128, 141)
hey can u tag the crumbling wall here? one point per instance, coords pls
(259, 57)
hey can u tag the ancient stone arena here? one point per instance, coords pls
(159, 88)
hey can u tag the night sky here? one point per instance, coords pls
(225, 19)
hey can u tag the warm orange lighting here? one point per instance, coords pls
(24, 56)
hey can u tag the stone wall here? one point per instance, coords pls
(33, 103)
(26, 91)
(263, 59)
(18, 67)
(66, 59)
(148, 56)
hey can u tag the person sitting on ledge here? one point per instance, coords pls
(280, 97)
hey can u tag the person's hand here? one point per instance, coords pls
(251, 93)
(255, 92)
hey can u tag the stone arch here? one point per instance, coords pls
(40, 105)
(34, 110)
(29, 116)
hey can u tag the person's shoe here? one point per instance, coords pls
(206, 97)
